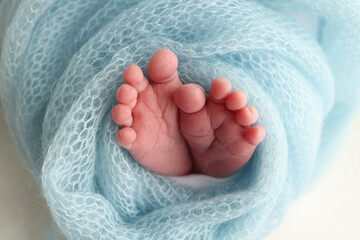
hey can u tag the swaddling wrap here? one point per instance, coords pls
(62, 62)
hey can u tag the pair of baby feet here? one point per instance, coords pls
(174, 129)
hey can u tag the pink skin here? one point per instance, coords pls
(174, 129)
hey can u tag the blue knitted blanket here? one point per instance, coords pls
(62, 61)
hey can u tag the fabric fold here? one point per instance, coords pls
(62, 61)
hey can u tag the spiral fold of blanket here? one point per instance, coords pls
(62, 61)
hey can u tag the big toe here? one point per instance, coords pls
(162, 66)
(190, 98)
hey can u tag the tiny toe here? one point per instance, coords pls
(190, 98)
(255, 135)
(122, 115)
(126, 94)
(126, 137)
(246, 116)
(162, 66)
(220, 88)
(236, 100)
(134, 76)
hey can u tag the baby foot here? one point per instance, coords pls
(149, 116)
(218, 132)
(212, 136)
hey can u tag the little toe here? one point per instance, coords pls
(162, 66)
(126, 137)
(190, 98)
(134, 76)
(220, 89)
(236, 100)
(126, 94)
(122, 115)
(255, 135)
(246, 116)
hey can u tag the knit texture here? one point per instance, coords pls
(62, 62)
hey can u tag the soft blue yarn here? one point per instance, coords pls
(62, 61)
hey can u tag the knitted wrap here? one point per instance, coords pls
(62, 62)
